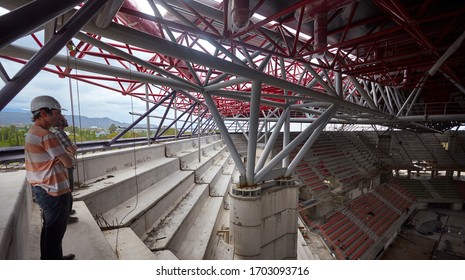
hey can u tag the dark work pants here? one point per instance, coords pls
(71, 186)
(55, 213)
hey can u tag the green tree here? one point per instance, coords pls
(112, 128)
(12, 136)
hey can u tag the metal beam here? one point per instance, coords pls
(117, 52)
(112, 141)
(224, 132)
(51, 48)
(456, 84)
(210, 40)
(253, 130)
(167, 109)
(272, 140)
(319, 79)
(287, 123)
(363, 93)
(80, 64)
(107, 13)
(25, 19)
(3, 74)
(306, 147)
(294, 143)
(191, 107)
(158, 45)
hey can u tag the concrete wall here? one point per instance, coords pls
(384, 144)
(15, 216)
(376, 180)
(110, 161)
(456, 206)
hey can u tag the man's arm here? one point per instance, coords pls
(71, 149)
(59, 151)
(65, 141)
(66, 160)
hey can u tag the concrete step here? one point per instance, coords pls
(85, 239)
(106, 192)
(211, 167)
(128, 245)
(220, 247)
(173, 227)
(230, 167)
(220, 187)
(143, 210)
(194, 246)
(193, 159)
(165, 255)
(235, 176)
(174, 148)
(210, 175)
(215, 177)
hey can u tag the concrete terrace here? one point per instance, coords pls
(164, 201)
(173, 200)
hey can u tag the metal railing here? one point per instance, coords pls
(437, 108)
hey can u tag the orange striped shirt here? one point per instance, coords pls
(42, 165)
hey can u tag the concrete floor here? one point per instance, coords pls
(432, 234)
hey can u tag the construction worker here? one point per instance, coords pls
(46, 171)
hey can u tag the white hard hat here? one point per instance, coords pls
(45, 101)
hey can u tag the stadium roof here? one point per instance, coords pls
(397, 63)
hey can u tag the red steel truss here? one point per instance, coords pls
(391, 47)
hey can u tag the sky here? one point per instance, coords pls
(82, 98)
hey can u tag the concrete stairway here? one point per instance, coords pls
(158, 202)
(188, 228)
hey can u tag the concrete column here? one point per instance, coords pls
(376, 180)
(264, 221)
(452, 143)
(384, 144)
(246, 216)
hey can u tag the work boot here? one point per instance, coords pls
(72, 220)
(69, 257)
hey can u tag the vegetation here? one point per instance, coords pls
(11, 136)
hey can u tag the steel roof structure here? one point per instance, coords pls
(396, 63)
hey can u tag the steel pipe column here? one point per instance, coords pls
(299, 139)
(224, 132)
(253, 130)
(308, 144)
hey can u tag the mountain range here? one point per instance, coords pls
(24, 118)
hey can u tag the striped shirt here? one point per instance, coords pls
(42, 165)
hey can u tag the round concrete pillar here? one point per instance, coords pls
(245, 220)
